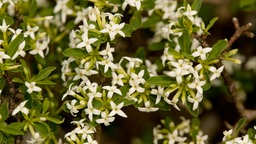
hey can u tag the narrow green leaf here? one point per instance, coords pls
(161, 80)
(4, 111)
(126, 101)
(148, 4)
(42, 128)
(239, 126)
(54, 120)
(33, 8)
(127, 29)
(17, 125)
(196, 5)
(17, 80)
(10, 130)
(74, 52)
(135, 20)
(212, 22)
(151, 20)
(174, 53)
(217, 49)
(45, 82)
(2, 83)
(14, 45)
(184, 42)
(44, 73)
(46, 105)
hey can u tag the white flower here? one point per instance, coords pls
(133, 3)
(86, 42)
(15, 33)
(31, 31)
(20, 51)
(174, 137)
(40, 47)
(112, 90)
(70, 91)
(105, 119)
(113, 29)
(90, 110)
(63, 8)
(3, 56)
(108, 51)
(201, 52)
(90, 140)
(32, 87)
(197, 84)
(72, 108)
(21, 108)
(166, 56)
(116, 109)
(190, 13)
(85, 26)
(135, 86)
(147, 108)
(158, 92)
(227, 134)
(196, 100)
(216, 72)
(117, 79)
(107, 63)
(4, 27)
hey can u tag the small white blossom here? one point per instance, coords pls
(196, 100)
(62, 7)
(32, 87)
(197, 84)
(72, 108)
(201, 52)
(117, 79)
(4, 27)
(31, 31)
(15, 32)
(133, 3)
(116, 109)
(3, 56)
(90, 110)
(105, 119)
(20, 51)
(113, 29)
(112, 90)
(21, 108)
(147, 108)
(158, 92)
(36, 139)
(86, 42)
(107, 63)
(216, 72)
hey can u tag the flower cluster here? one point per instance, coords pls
(181, 133)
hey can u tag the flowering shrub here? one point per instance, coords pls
(60, 58)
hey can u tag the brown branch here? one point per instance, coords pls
(243, 30)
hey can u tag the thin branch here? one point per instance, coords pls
(243, 30)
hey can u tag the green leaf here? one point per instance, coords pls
(2, 83)
(74, 52)
(141, 53)
(217, 49)
(151, 20)
(135, 20)
(251, 132)
(174, 53)
(14, 45)
(32, 8)
(127, 29)
(184, 42)
(17, 125)
(46, 105)
(42, 128)
(126, 101)
(46, 82)
(44, 73)
(212, 22)
(9, 20)
(54, 120)
(196, 5)
(11, 130)
(156, 46)
(4, 111)
(17, 80)
(248, 4)
(239, 126)
(161, 80)
(147, 4)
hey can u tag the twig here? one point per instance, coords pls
(243, 30)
